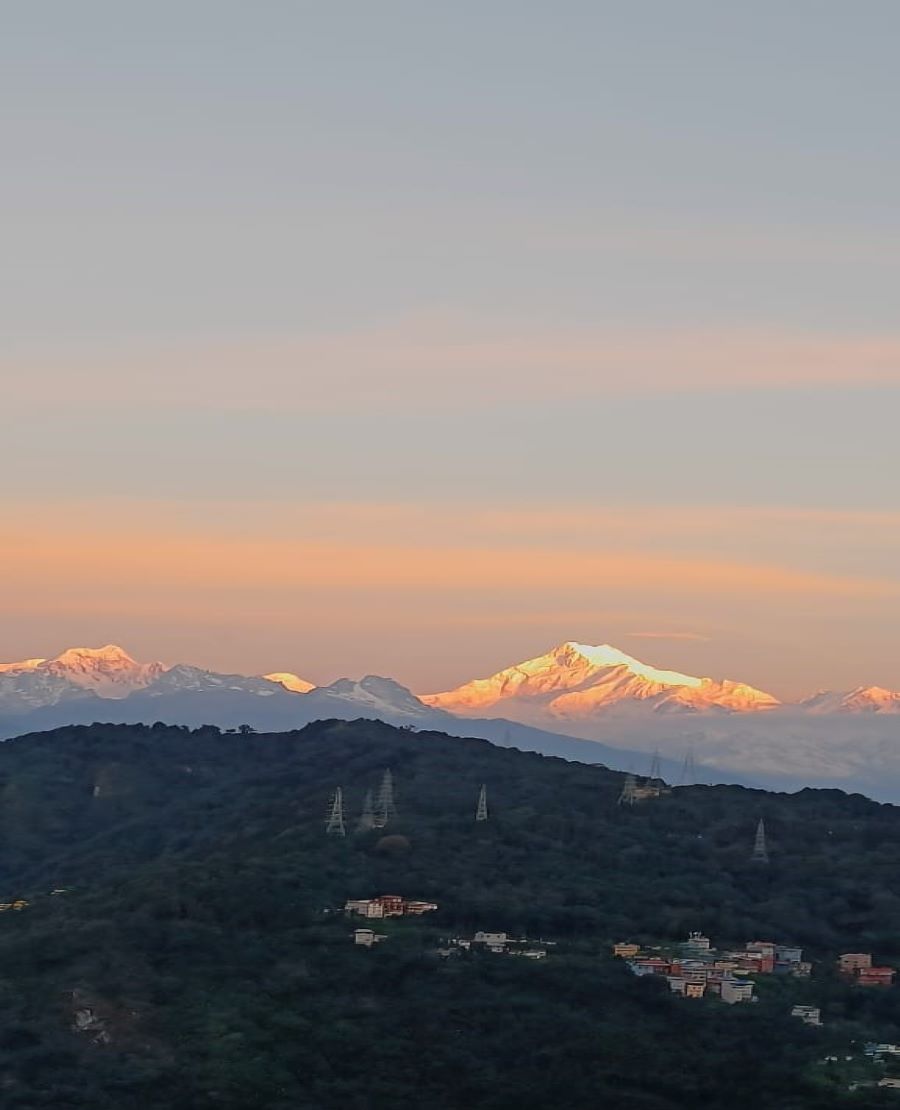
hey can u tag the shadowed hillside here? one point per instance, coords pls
(200, 926)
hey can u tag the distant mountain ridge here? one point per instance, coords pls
(864, 699)
(572, 682)
(593, 704)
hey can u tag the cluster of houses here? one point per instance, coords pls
(694, 969)
(388, 905)
(500, 943)
(392, 905)
(385, 905)
(858, 967)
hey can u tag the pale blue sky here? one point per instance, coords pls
(531, 254)
(201, 167)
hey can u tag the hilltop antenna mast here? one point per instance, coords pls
(760, 851)
(367, 817)
(335, 823)
(629, 793)
(385, 808)
(481, 811)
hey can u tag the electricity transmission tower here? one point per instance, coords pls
(481, 810)
(654, 779)
(367, 817)
(629, 793)
(688, 776)
(760, 851)
(385, 808)
(335, 824)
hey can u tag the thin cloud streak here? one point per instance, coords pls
(287, 518)
(457, 365)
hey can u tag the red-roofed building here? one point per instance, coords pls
(875, 976)
(388, 905)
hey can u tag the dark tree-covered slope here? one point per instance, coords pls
(200, 927)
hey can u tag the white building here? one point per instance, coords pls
(737, 990)
(490, 938)
(809, 1015)
(367, 937)
(365, 907)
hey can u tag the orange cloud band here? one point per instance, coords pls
(49, 561)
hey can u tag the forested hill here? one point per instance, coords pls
(200, 926)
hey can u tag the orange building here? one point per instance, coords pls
(853, 961)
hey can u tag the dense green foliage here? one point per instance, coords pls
(201, 928)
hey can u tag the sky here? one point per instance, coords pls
(415, 338)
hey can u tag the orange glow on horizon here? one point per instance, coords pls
(373, 576)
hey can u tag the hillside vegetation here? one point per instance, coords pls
(199, 940)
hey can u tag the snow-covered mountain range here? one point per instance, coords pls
(571, 683)
(864, 699)
(585, 702)
(83, 685)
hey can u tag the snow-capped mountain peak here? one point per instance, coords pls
(576, 681)
(107, 672)
(605, 655)
(374, 693)
(110, 655)
(290, 681)
(863, 699)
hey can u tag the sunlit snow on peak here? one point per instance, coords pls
(290, 681)
(576, 681)
(605, 655)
